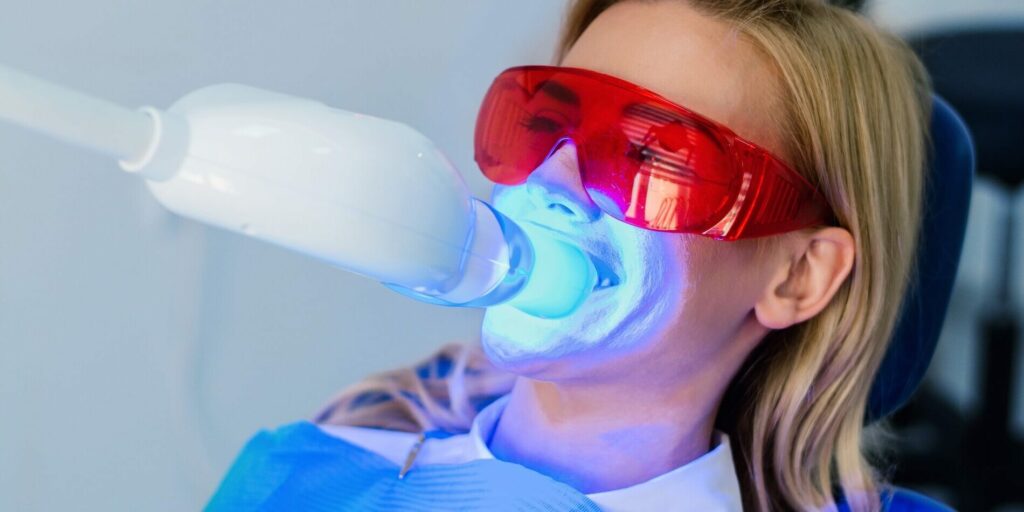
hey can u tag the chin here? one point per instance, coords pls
(562, 359)
(540, 363)
(512, 356)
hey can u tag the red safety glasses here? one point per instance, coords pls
(642, 159)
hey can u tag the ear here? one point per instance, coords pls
(815, 266)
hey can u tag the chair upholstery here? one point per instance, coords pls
(898, 499)
(904, 500)
(947, 200)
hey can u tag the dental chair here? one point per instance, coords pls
(979, 69)
(947, 197)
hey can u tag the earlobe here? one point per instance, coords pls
(805, 282)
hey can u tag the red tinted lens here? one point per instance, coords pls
(522, 117)
(643, 159)
(661, 170)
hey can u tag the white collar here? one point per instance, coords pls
(707, 483)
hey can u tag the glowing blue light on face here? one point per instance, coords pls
(648, 266)
(561, 279)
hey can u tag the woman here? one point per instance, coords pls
(710, 373)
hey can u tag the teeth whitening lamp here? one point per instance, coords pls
(368, 195)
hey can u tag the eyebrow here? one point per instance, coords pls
(559, 92)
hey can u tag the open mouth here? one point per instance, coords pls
(606, 277)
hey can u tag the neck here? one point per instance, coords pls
(599, 437)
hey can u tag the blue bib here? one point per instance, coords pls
(299, 467)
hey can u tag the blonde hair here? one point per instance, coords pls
(855, 113)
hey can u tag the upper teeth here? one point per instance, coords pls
(605, 276)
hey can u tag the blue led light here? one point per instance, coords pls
(650, 282)
(561, 279)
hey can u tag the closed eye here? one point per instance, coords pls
(541, 124)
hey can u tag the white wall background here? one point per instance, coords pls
(139, 350)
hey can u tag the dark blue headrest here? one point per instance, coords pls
(947, 198)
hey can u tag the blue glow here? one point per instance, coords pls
(654, 271)
(299, 467)
(561, 279)
(623, 315)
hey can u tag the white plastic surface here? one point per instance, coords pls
(370, 195)
(71, 116)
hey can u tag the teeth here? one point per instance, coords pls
(605, 277)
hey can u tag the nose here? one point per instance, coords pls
(557, 186)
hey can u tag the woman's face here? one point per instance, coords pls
(682, 300)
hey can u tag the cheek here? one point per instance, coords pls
(694, 290)
(724, 283)
(655, 290)
(658, 282)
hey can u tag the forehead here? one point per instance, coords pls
(699, 62)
